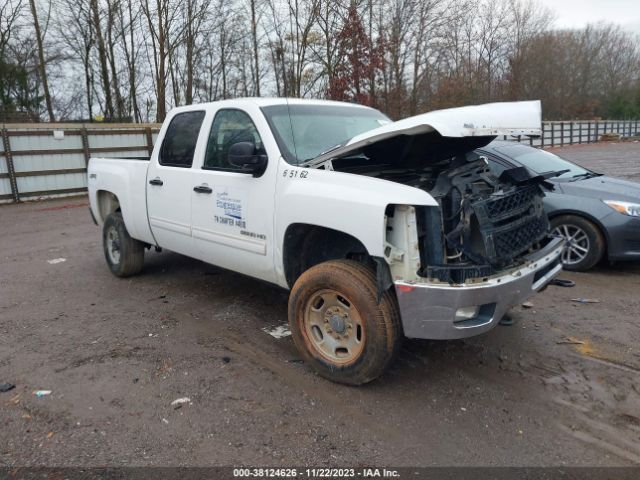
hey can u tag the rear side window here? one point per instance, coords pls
(180, 140)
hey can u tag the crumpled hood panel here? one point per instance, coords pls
(487, 121)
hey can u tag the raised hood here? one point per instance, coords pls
(444, 133)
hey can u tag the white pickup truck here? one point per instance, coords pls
(379, 229)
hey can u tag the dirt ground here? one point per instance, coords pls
(559, 387)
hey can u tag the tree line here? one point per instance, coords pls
(132, 60)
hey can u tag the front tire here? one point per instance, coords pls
(339, 326)
(124, 254)
(585, 243)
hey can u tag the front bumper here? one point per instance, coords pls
(623, 236)
(429, 310)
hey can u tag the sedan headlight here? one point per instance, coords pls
(626, 208)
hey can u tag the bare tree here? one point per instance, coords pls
(254, 41)
(102, 54)
(78, 34)
(136, 59)
(128, 22)
(41, 61)
(10, 13)
(166, 34)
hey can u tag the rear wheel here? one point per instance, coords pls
(338, 325)
(585, 244)
(124, 254)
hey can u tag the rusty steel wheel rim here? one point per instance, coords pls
(113, 245)
(333, 327)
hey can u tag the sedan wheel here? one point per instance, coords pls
(577, 246)
(585, 243)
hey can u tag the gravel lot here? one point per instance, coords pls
(560, 387)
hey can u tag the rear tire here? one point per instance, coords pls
(124, 255)
(339, 326)
(586, 244)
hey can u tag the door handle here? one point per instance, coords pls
(156, 181)
(202, 189)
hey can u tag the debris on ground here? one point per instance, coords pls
(561, 282)
(279, 331)
(164, 420)
(5, 387)
(585, 300)
(226, 359)
(506, 321)
(527, 304)
(53, 261)
(180, 401)
(610, 137)
(570, 341)
(42, 393)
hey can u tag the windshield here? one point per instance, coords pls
(305, 131)
(540, 161)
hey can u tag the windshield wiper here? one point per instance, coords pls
(584, 175)
(310, 161)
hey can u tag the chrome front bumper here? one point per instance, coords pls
(428, 310)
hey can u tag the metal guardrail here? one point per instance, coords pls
(45, 160)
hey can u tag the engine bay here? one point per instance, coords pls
(483, 223)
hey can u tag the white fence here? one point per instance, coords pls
(45, 160)
(559, 134)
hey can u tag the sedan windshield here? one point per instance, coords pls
(305, 131)
(539, 161)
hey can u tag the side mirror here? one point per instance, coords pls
(243, 155)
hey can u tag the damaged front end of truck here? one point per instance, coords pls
(460, 265)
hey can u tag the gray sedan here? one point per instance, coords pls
(598, 215)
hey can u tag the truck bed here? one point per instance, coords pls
(126, 178)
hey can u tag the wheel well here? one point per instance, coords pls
(587, 217)
(107, 203)
(308, 245)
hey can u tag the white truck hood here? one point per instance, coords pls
(488, 120)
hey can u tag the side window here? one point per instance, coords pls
(229, 127)
(180, 140)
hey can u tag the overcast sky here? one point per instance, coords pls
(577, 13)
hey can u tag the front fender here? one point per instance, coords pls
(352, 204)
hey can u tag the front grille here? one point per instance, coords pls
(501, 206)
(632, 244)
(458, 273)
(510, 223)
(518, 238)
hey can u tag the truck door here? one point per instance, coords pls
(232, 211)
(169, 182)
